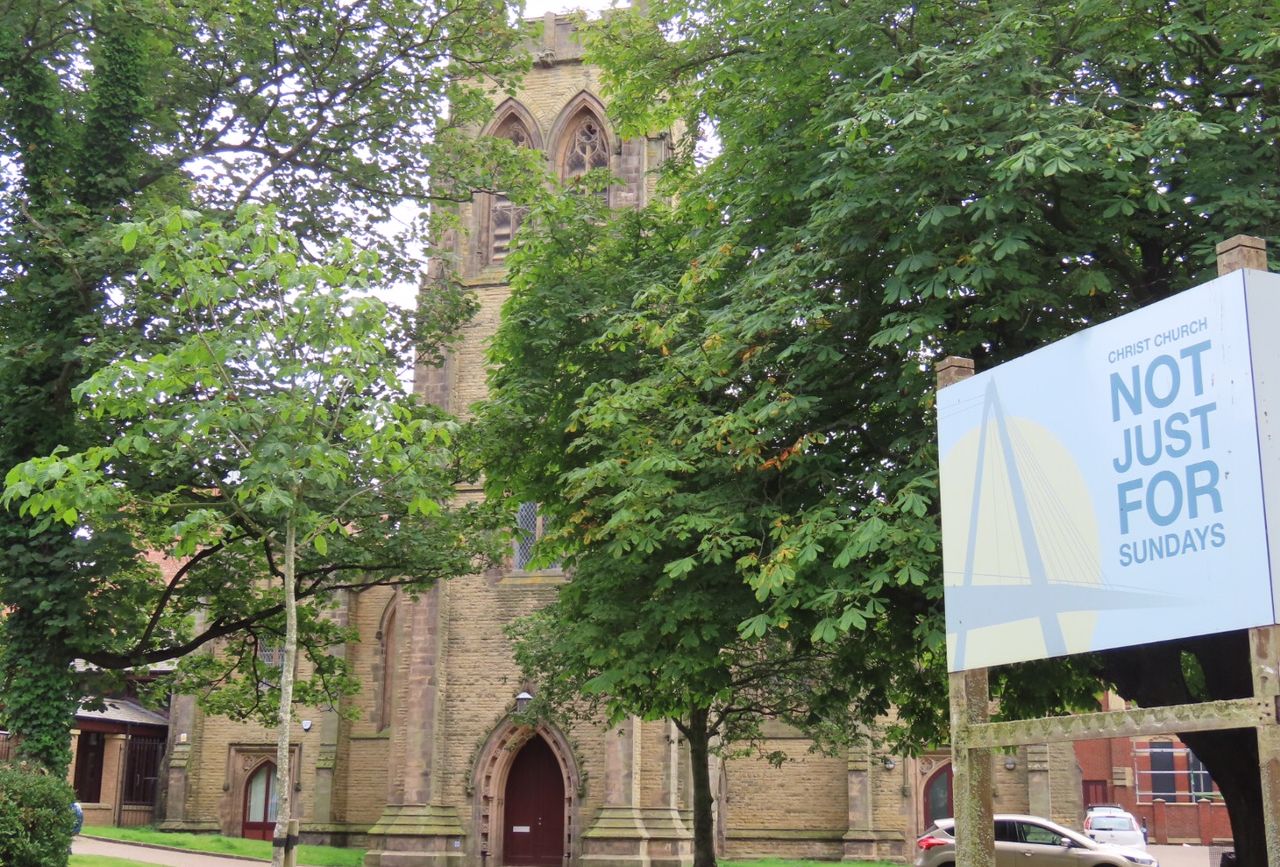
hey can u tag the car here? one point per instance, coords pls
(1108, 823)
(1029, 841)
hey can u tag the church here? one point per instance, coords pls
(434, 770)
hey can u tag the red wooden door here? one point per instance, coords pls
(1095, 792)
(533, 816)
(260, 804)
(938, 803)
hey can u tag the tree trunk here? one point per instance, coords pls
(1231, 758)
(285, 714)
(1154, 675)
(704, 843)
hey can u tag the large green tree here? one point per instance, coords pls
(111, 110)
(272, 450)
(892, 184)
(654, 512)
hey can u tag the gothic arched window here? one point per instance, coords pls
(585, 146)
(505, 216)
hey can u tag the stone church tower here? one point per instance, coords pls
(465, 782)
(434, 770)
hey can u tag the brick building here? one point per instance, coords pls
(435, 770)
(1159, 780)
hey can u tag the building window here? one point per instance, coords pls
(1164, 780)
(505, 216)
(271, 655)
(270, 664)
(1201, 783)
(531, 525)
(586, 147)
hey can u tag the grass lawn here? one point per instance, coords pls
(319, 856)
(103, 861)
(313, 856)
(778, 862)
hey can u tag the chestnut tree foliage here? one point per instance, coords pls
(112, 111)
(645, 509)
(889, 184)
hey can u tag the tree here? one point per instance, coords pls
(649, 513)
(271, 448)
(113, 111)
(894, 184)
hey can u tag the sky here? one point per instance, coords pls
(534, 8)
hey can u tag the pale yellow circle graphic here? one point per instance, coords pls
(1062, 533)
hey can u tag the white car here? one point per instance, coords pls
(1115, 826)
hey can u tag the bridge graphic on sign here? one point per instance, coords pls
(1025, 569)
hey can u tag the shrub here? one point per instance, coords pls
(35, 818)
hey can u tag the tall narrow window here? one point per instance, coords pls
(528, 529)
(531, 526)
(504, 215)
(387, 686)
(1201, 783)
(586, 146)
(1164, 781)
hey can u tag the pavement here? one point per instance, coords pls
(154, 855)
(1181, 856)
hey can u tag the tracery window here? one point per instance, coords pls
(504, 215)
(585, 146)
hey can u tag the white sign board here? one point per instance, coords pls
(1111, 489)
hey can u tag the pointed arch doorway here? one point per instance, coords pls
(260, 800)
(533, 808)
(939, 802)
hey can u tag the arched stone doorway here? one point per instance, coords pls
(938, 799)
(526, 797)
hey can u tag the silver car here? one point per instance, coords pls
(1029, 841)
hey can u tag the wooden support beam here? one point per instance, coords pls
(1206, 716)
(971, 784)
(970, 708)
(1241, 251)
(1264, 650)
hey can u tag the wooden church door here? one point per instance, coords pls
(533, 815)
(260, 804)
(938, 799)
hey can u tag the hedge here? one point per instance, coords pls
(36, 818)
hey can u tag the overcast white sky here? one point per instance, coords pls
(541, 7)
